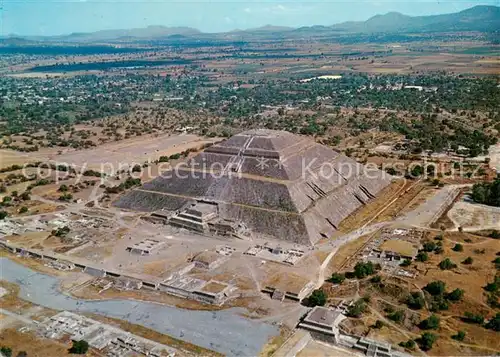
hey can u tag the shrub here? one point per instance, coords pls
(455, 295)
(494, 323)
(23, 209)
(61, 232)
(3, 215)
(406, 263)
(458, 247)
(460, 336)
(429, 246)
(410, 344)
(6, 351)
(378, 324)
(397, 316)
(431, 323)
(495, 234)
(79, 347)
(435, 288)
(63, 188)
(317, 298)
(493, 286)
(468, 261)
(66, 197)
(415, 301)
(422, 257)
(473, 318)
(427, 340)
(438, 303)
(337, 278)
(362, 270)
(447, 264)
(357, 308)
(376, 279)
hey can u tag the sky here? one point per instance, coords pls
(56, 17)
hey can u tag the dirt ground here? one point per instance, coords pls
(131, 151)
(474, 216)
(36, 346)
(9, 158)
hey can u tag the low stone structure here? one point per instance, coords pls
(112, 341)
(323, 321)
(145, 247)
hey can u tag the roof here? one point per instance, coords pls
(323, 316)
(400, 247)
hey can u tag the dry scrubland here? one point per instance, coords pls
(391, 293)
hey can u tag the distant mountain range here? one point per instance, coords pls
(479, 18)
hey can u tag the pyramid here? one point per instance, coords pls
(275, 184)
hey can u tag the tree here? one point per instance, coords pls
(458, 248)
(362, 270)
(495, 234)
(6, 351)
(63, 188)
(455, 295)
(431, 323)
(494, 323)
(429, 246)
(405, 263)
(79, 347)
(3, 215)
(417, 171)
(410, 344)
(356, 309)
(422, 257)
(426, 341)
(473, 318)
(487, 193)
(317, 298)
(397, 316)
(460, 336)
(447, 264)
(415, 301)
(23, 209)
(378, 324)
(337, 278)
(435, 288)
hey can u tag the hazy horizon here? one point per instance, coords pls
(62, 17)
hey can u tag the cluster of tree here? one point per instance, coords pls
(487, 193)
(363, 269)
(438, 298)
(127, 184)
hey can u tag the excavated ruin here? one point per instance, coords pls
(264, 183)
